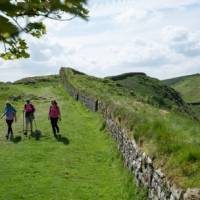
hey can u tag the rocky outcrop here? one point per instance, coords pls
(139, 164)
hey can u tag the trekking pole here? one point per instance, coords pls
(3, 115)
(23, 122)
(35, 123)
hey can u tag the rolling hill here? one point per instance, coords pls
(152, 91)
(169, 136)
(189, 88)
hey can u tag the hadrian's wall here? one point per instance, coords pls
(139, 164)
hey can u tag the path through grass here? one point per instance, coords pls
(85, 165)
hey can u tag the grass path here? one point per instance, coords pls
(88, 167)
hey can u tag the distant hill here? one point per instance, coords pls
(187, 86)
(151, 90)
(36, 79)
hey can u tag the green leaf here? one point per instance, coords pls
(10, 26)
(36, 29)
(7, 29)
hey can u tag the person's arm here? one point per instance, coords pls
(49, 113)
(15, 116)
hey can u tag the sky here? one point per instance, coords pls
(160, 38)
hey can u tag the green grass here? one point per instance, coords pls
(88, 167)
(188, 86)
(168, 136)
(151, 90)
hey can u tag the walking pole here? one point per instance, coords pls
(23, 123)
(35, 123)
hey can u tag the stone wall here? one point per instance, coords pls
(89, 102)
(139, 164)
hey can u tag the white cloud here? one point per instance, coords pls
(100, 8)
(12, 74)
(182, 40)
(127, 16)
(160, 38)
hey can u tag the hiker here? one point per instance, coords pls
(54, 116)
(10, 113)
(29, 111)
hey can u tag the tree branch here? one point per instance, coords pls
(19, 26)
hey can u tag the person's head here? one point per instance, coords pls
(28, 101)
(8, 104)
(54, 103)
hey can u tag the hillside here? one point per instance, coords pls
(83, 165)
(187, 86)
(38, 79)
(169, 136)
(152, 91)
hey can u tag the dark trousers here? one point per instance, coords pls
(10, 131)
(54, 124)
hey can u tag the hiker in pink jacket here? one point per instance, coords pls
(54, 115)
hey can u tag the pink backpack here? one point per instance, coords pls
(54, 111)
(29, 108)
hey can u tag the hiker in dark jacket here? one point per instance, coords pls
(10, 113)
(54, 116)
(29, 111)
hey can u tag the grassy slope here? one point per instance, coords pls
(152, 91)
(188, 86)
(172, 139)
(89, 167)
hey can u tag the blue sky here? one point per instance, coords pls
(160, 38)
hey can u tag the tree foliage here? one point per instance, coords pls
(26, 16)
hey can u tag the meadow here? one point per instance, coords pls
(84, 164)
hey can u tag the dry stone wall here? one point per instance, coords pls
(139, 164)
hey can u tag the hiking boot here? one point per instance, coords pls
(6, 137)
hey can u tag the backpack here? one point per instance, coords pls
(54, 111)
(29, 108)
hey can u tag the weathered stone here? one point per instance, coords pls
(192, 194)
(149, 161)
(172, 197)
(177, 192)
(159, 173)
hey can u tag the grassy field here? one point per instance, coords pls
(188, 86)
(171, 138)
(83, 165)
